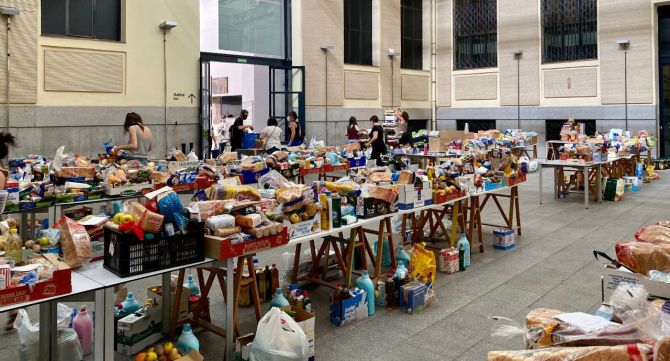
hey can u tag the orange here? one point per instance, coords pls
(142, 356)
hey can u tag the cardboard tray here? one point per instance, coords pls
(221, 248)
(59, 284)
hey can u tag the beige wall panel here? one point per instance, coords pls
(83, 71)
(444, 52)
(574, 82)
(389, 39)
(415, 87)
(476, 87)
(322, 24)
(23, 48)
(361, 85)
(626, 19)
(518, 28)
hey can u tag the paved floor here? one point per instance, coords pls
(552, 266)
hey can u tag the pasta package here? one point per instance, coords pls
(75, 242)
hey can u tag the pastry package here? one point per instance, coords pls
(640, 352)
(149, 221)
(75, 242)
(643, 257)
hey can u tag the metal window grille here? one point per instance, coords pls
(358, 32)
(570, 30)
(475, 34)
(411, 28)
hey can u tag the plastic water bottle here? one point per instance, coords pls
(130, 304)
(279, 300)
(463, 241)
(192, 286)
(187, 341)
(83, 326)
(401, 271)
(365, 283)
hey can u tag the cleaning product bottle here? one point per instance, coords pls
(192, 286)
(279, 300)
(130, 304)
(401, 271)
(365, 283)
(463, 241)
(461, 258)
(386, 252)
(83, 326)
(13, 246)
(336, 211)
(187, 341)
(275, 277)
(401, 255)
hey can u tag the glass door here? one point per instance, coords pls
(287, 93)
(205, 109)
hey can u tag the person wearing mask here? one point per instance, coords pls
(377, 140)
(297, 137)
(271, 136)
(352, 130)
(237, 130)
(139, 143)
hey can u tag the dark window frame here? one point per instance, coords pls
(358, 32)
(475, 34)
(552, 127)
(476, 125)
(58, 22)
(411, 30)
(569, 30)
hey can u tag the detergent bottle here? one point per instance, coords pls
(401, 255)
(83, 326)
(192, 286)
(279, 300)
(365, 283)
(130, 304)
(187, 341)
(463, 242)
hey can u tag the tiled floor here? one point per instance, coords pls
(552, 266)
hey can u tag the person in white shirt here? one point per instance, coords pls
(271, 136)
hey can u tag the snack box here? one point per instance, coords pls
(304, 228)
(223, 248)
(60, 283)
(613, 277)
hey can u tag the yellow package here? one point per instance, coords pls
(422, 263)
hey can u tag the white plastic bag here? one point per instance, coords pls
(29, 333)
(279, 338)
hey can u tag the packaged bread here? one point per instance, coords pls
(653, 234)
(641, 352)
(228, 157)
(75, 242)
(248, 221)
(179, 156)
(220, 221)
(225, 232)
(149, 221)
(643, 257)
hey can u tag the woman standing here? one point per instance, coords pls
(377, 140)
(271, 136)
(352, 130)
(139, 143)
(297, 137)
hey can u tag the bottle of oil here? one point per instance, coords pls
(13, 246)
(325, 212)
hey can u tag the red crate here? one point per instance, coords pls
(59, 284)
(221, 248)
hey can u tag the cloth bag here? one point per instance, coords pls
(279, 338)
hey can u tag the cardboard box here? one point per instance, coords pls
(613, 277)
(300, 229)
(243, 346)
(222, 248)
(137, 331)
(307, 321)
(504, 239)
(59, 284)
(352, 309)
(367, 207)
(407, 196)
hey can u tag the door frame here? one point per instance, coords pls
(205, 143)
(287, 100)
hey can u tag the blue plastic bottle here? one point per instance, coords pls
(401, 271)
(401, 255)
(365, 283)
(466, 248)
(386, 252)
(130, 304)
(279, 300)
(187, 341)
(192, 286)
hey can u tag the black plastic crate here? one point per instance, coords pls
(127, 256)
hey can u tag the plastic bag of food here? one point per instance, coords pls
(643, 257)
(594, 353)
(170, 206)
(422, 263)
(653, 234)
(279, 338)
(75, 242)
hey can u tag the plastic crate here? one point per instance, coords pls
(126, 256)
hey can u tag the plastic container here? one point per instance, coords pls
(401, 271)
(192, 286)
(83, 326)
(365, 283)
(463, 241)
(279, 300)
(131, 256)
(14, 245)
(187, 341)
(401, 255)
(130, 304)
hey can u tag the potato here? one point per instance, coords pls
(37, 248)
